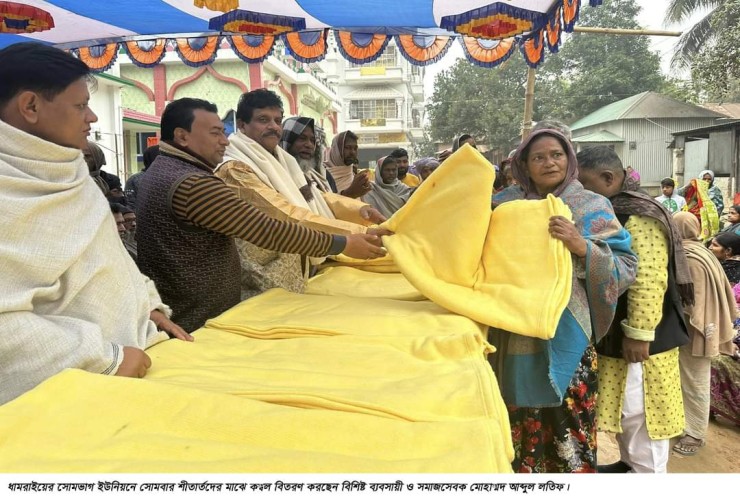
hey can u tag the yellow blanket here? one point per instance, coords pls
(353, 282)
(355, 382)
(478, 263)
(77, 421)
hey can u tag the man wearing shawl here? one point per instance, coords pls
(72, 297)
(265, 175)
(551, 385)
(388, 194)
(300, 139)
(341, 165)
(423, 168)
(95, 160)
(639, 380)
(711, 331)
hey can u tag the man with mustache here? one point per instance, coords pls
(265, 175)
(187, 220)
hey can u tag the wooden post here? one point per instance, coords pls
(528, 103)
(529, 95)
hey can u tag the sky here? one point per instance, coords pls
(651, 17)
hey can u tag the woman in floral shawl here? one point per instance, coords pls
(699, 203)
(550, 386)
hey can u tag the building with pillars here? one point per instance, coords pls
(144, 93)
(382, 101)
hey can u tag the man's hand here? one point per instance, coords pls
(564, 230)
(135, 363)
(379, 231)
(444, 155)
(169, 327)
(360, 186)
(635, 351)
(372, 214)
(364, 246)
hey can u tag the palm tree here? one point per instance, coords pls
(697, 36)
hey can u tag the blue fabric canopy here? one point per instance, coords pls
(86, 23)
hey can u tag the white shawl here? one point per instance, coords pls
(71, 296)
(281, 172)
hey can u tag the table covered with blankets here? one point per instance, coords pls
(366, 372)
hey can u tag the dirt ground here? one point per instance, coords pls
(720, 454)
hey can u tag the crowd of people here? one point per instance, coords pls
(646, 347)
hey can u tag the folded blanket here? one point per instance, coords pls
(445, 376)
(353, 282)
(499, 268)
(279, 314)
(83, 422)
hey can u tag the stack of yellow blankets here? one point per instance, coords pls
(361, 374)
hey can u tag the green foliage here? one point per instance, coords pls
(591, 71)
(482, 102)
(717, 65)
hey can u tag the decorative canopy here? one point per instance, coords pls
(96, 30)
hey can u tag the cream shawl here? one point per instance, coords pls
(281, 172)
(71, 296)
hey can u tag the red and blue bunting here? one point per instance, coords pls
(256, 23)
(20, 18)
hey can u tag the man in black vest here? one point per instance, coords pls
(187, 220)
(639, 382)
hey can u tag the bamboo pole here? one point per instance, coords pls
(529, 95)
(623, 31)
(528, 103)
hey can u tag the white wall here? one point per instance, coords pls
(105, 101)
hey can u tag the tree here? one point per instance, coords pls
(590, 71)
(599, 69)
(486, 103)
(701, 34)
(717, 65)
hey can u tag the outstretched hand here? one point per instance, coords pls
(372, 214)
(360, 185)
(564, 230)
(168, 326)
(364, 246)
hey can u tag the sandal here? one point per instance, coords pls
(688, 446)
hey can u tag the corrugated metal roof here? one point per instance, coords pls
(600, 136)
(376, 92)
(711, 128)
(731, 109)
(644, 105)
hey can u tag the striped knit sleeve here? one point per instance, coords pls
(205, 201)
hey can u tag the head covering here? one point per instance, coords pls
(519, 170)
(293, 128)
(458, 140)
(631, 202)
(704, 172)
(423, 163)
(150, 154)
(714, 299)
(97, 155)
(386, 197)
(729, 240)
(334, 163)
(688, 227)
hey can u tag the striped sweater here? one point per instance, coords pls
(186, 222)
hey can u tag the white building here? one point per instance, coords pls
(382, 101)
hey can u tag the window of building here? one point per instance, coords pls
(371, 110)
(388, 59)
